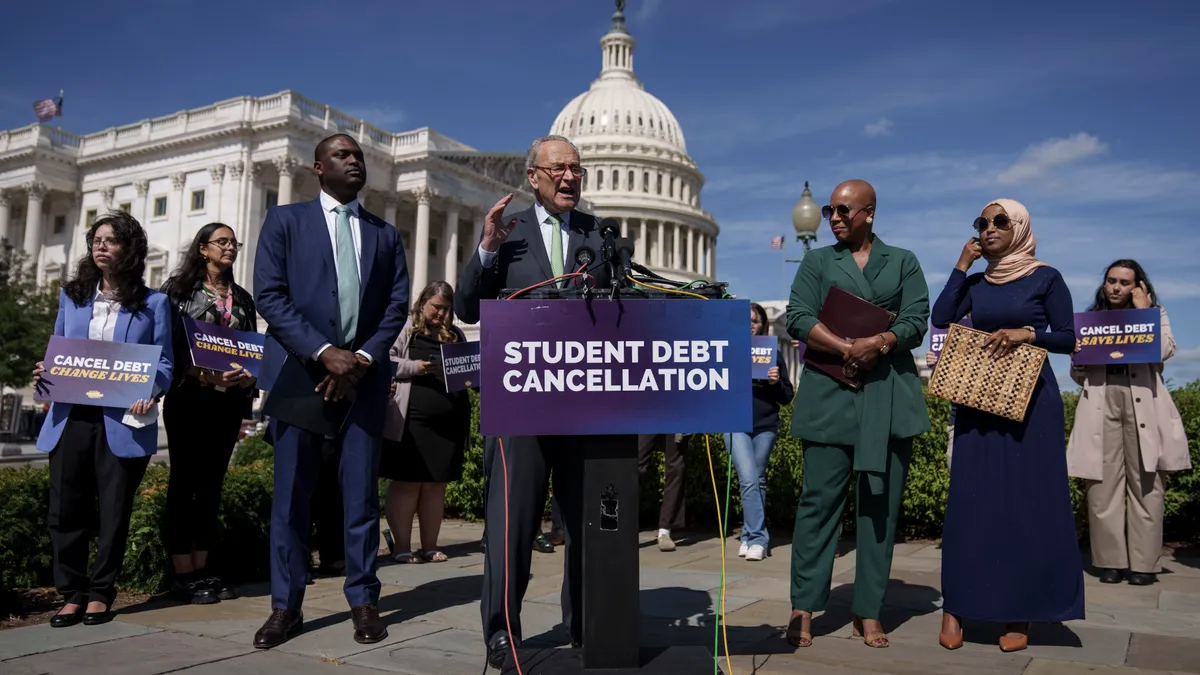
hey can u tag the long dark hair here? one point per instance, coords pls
(192, 270)
(129, 290)
(1100, 303)
(762, 316)
(445, 332)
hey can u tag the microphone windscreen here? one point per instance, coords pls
(610, 225)
(584, 255)
(625, 244)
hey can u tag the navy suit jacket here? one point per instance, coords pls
(295, 289)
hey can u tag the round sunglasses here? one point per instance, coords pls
(1001, 221)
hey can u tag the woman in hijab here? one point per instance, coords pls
(1009, 548)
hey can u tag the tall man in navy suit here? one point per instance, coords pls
(331, 281)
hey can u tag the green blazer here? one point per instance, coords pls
(890, 403)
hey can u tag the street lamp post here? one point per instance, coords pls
(806, 218)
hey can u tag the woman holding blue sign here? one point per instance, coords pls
(204, 411)
(752, 451)
(863, 433)
(99, 455)
(1127, 433)
(426, 428)
(1009, 548)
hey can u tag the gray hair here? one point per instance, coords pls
(531, 156)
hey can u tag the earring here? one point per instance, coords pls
(870, 220)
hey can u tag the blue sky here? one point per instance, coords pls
(1084, 111)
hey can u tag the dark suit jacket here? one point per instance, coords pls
(295, 288)
(522, 261)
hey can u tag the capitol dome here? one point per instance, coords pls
(638, 167)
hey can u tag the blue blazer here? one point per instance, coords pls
(295, 290)
(149, 326)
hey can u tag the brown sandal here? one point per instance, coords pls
(871, 639)
(795, 636)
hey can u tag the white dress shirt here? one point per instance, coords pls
(328, 204)
(103, 326)
(488, 258)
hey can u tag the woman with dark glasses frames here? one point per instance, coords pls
(1009, 548)
(859, 434)
(204, 410)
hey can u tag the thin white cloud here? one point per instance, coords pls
(1040, 158)
(646, 10)
(882, 127)
(382, 116)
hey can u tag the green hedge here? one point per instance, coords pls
(244, 527)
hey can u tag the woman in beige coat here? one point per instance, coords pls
(1127, 434)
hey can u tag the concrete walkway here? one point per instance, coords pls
(433, 612)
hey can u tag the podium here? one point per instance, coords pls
(611, 610)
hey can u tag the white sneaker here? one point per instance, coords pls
(665, 543)
(756, 552)
(743, 549)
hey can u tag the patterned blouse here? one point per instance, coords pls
(224, 311)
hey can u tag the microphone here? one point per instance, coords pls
(624, 253)
(610, 230)
(584, 256)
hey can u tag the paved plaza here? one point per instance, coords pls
(433, 616)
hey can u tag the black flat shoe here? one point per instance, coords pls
(97, 618)
(1142, 578)
(499, 649)
(283, 625)
(542, 545)
(218, 587)
(67, 620)
(193, 592)
(1110, 576)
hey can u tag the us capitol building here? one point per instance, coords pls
(233, 160)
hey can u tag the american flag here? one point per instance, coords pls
(777, 242)
(48, 108)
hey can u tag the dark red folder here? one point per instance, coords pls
(849, 316)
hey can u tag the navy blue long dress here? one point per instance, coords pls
(1010, 553)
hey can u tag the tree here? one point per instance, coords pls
(27, 313)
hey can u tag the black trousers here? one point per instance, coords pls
(203, 425)
(671, 516)
(84, 473)
(325, 505)
(531, 461)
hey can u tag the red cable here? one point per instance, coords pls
(544, 283)
(512, 643)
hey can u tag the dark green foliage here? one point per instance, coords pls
(27, 314)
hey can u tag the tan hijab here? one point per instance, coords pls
(1020, 260)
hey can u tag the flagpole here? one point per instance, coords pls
(58, 124)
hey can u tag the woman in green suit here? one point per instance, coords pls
(845, 431)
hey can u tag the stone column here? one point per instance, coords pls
(287, 169)
(450, 261)
(389, 209)
(660, 246)
(712, 257)
(691, 251)
(4, 202)
(178, 182)
(33, 219)
(477, 231)
(643, 242)
(677, 246)
(704, 255)
(139, 205)
(217, 175)
(624, 227)
(420, 277)
(106, 195)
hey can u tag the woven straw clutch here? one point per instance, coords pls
(965, 375)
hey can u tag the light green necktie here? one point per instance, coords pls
(347, 285)
(556, 252)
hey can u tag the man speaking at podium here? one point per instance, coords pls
(533, 246)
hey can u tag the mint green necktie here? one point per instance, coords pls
(347, 285)
(556, 252)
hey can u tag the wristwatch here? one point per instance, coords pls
(885, 348)
(1032, 333)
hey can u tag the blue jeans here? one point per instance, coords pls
(750, 455)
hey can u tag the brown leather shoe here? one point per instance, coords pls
(283, 625)
(368, 628)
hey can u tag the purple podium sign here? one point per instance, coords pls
(937, 337)
(1118, 336)
(762, 354)
(460, 365)
(573, 367)
(94, 372)
(220, 348)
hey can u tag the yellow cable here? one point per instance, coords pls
(721, 529)
(666, 290)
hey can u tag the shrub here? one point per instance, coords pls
(244, 521)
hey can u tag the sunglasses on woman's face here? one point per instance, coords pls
(842, 210)
(1001, 222)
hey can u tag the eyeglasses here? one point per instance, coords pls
(224, 242)
(557, 172)
(841, 209)
(1001, 222)
(104, 242)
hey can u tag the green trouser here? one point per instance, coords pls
(827, 471)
